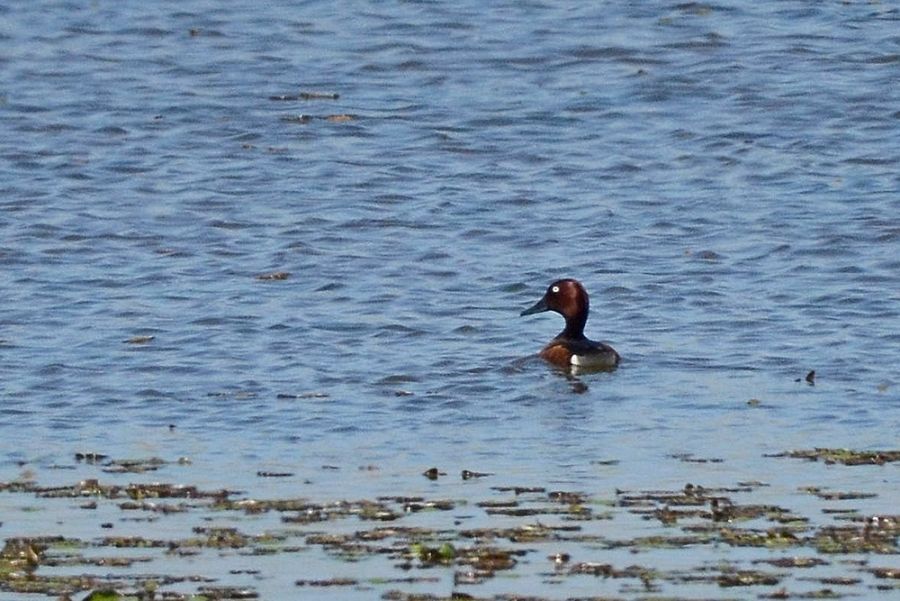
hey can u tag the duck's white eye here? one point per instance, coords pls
(555, 289)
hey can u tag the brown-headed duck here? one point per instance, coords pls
(571, 347)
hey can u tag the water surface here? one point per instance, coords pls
(723, 180)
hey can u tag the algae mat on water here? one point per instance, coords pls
(162, 541)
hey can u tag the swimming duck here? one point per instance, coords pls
(570, 347)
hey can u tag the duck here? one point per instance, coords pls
(571, 348)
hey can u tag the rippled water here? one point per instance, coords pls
(723, 179)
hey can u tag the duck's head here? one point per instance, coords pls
(568, 298)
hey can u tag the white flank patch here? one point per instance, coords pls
(597, 360)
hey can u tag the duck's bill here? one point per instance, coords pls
(538, 307)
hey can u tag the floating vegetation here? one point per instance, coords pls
(837, 495)
(770, 538)
(340, 118)
(843, 456)
(305, 96)
(274, 276)
(794, 562)
(196, 544)
(850, 539)
(335, 118)
(266, 474)
(468, 474)
(90, 457)
(748, 578)
(689, 458)
(302, 395)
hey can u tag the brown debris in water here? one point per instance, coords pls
(514, 531)
(274, 276)
(689, 458)
(305, 96)
(851, 539)
(520, 490)
(334, 118)
(227, 592)
(468, 475)
(794, 562)
(90, 457)
(329, 582)
(837, 495)
(265, 474)
(748, 578)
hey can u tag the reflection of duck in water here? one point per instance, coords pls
(571, 347)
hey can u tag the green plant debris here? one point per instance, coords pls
(510, 533)
(850, 539)
(829, 495)
(843, 456)
(227, 592)
(104, 595)
(794, 562)
(772, 538)
(748, 578)
(689, 458)
(329, 582)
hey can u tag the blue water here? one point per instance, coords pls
(722, 178)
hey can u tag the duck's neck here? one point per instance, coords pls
(574, 327)
(575, 322)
